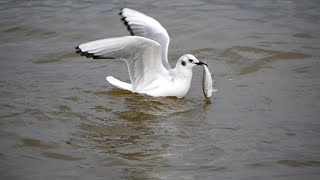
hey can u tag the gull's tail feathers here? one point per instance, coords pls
(119, 84)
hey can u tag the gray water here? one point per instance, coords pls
(60, 119)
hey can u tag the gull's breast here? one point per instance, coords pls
(168, 88)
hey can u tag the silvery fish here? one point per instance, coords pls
(207, 82)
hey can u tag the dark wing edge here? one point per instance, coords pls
(125, 22)
(90, 55)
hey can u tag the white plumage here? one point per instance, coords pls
(142, 25)
(146, 56)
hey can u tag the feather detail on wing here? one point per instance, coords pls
(141, 54)
(142, 25)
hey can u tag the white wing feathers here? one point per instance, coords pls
(142, 25)
(141, 54)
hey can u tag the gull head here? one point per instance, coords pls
(189, 61)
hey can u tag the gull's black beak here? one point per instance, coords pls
(201, 63)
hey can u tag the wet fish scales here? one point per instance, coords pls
(207, 82)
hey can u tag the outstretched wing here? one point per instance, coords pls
(142, 25)
(141, 54)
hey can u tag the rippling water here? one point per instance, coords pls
(59, 119)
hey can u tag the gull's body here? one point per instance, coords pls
(146, 55)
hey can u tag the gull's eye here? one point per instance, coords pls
(190, 60)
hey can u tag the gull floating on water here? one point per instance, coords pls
(146, 54)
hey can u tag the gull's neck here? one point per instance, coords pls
(182, 73)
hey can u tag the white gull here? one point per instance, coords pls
(146, 54)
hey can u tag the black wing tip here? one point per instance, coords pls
(86, 54)
(125, 22)
(90, 55)
(121, 11)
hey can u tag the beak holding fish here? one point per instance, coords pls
(207, 82)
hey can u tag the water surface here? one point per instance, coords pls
(59, 118)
